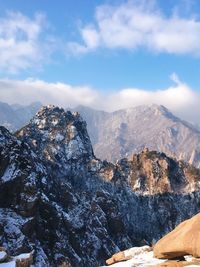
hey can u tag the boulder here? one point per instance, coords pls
(24, 260)
(127, 254)
(183, 240)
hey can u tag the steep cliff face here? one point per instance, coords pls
(58, 199)
(151, 173)
(23, 178)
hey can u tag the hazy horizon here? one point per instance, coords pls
(107, 55)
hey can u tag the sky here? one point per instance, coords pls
(104, 54)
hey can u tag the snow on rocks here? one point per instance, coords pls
(8, 264)
(22, 260)
(127, 254)
(3, 256)
(147, 259)
(136, 257)
(60, 135)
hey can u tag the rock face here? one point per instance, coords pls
(183, 240)
(58, 200)
(151, 172)
(121, 133)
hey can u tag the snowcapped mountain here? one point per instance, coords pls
(58, 200)
(125, 132)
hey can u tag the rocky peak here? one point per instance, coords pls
(61, 136)
(152, 172)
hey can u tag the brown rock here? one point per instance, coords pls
(24, 262)
(183, 240)
(127, 254)
(178, 264)
(117, 257)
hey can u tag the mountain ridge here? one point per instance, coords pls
(60, 209)
(125, 132)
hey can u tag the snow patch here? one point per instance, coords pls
(141, 260)
(10, 173)
(3, 255)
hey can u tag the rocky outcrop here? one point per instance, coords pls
(128, 254)
(143, 257)
(152, 173)
(22, 260)
(183, 240)
(58, 200)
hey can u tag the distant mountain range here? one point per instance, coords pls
(124, 132)
(13, 117)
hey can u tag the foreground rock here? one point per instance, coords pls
(183, 240)
(128, 254)
(176, 263)
(22, 260)
(134, 257)
(144, 257)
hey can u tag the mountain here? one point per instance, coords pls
(125, 132)
(61, 202)
(13, 117)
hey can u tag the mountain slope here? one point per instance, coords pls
(57, 199)
(13, 117)
(126, 132)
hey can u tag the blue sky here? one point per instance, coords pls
(104, 68)
(102, 47)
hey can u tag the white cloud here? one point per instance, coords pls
(21, 44)
(30, 90)
(139, 24)
(180, 98)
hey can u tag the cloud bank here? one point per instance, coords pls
(179, 98)
(139, 24)
(22, 42)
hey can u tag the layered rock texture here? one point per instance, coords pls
(68, 207)
(124, 132)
